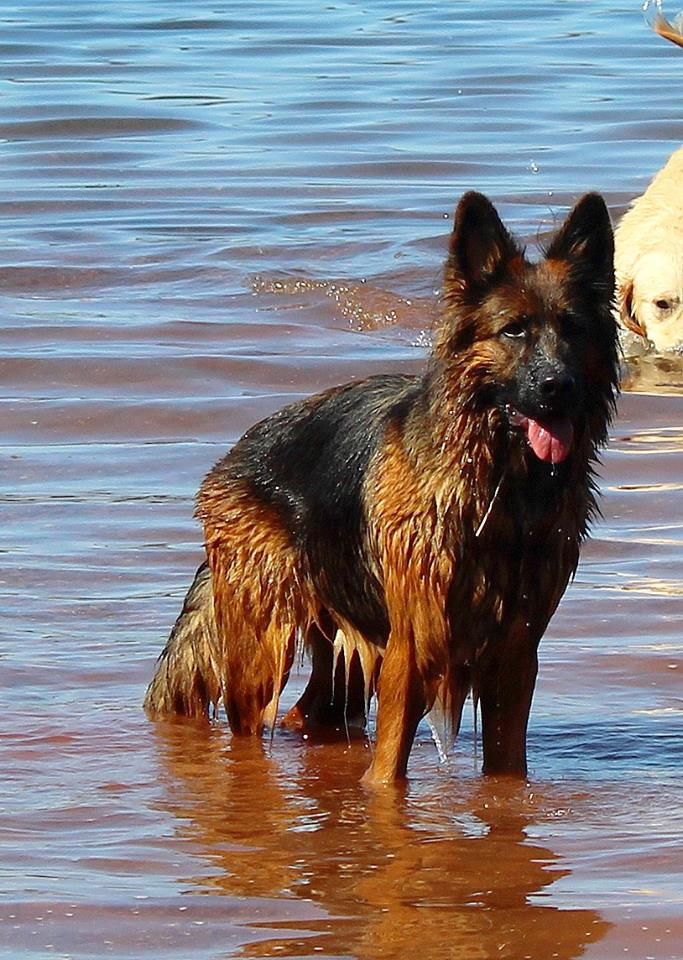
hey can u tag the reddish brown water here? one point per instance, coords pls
(208, 210)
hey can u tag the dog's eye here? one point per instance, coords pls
(663, 304)
(514, 330)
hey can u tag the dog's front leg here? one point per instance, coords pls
(402, 702)
(505, 688)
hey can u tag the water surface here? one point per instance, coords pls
(210, 209)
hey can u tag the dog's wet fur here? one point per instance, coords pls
(416, 533)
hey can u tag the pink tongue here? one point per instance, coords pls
(551, 441)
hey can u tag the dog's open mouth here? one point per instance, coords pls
(551, 439)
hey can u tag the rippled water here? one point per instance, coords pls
(209, 209)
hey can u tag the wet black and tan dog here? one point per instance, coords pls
(415, 532)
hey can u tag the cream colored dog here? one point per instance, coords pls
(649, 260)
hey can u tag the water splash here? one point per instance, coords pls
(669, 29)
(484, 520)
(440, 727)
(363, 305)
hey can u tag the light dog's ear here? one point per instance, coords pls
(586, 242)
(480, 247)
(626, 311)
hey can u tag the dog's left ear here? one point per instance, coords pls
(586, 242)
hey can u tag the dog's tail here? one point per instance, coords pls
(186, 680)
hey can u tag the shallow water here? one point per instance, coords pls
(211, 209)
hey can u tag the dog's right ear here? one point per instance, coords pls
(480, 246)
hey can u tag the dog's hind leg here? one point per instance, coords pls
(255, 668)
(505, 688)
(259, 601)
(186, 678)
(257, 626)
(335, 695)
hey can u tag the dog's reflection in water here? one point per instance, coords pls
(442, 870)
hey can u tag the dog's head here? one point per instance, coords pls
(650, 300)
(535, 343)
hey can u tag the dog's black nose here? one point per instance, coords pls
(558, 388)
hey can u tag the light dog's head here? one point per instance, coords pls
(648, 260)
(650, 299)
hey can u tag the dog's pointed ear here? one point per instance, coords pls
(586, 242)
(480, 246)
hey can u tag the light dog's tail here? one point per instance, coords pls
(186, 680)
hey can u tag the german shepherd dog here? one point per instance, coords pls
(415, 532)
